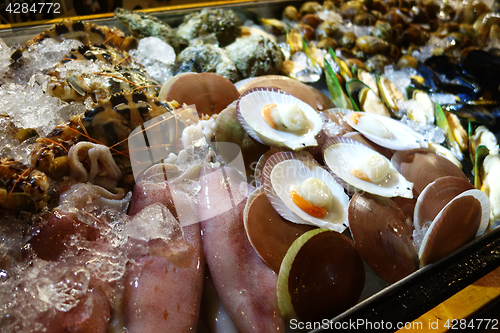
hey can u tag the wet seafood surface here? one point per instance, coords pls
(361, 146)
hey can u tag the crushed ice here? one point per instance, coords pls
(153, 222)
(418, 235)
(156, 56)
(40, 57)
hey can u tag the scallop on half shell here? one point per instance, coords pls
(294, 126)
(385, 131)
(302, 191)
(357, 167)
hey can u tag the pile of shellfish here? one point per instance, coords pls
(180, 205)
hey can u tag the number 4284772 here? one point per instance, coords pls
(35, 8)
(475, 324)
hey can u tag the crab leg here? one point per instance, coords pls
(164, 295)
(246, 286)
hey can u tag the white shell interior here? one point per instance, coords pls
(341, 158)
(250, 107)
(403, 136)
(289, 173)
(485, 215)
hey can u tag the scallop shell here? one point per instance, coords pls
(361, 138)
(458, 223)
(402, 136)
(382, 236)
(326, 274)
(270, 234)
(312, 96)
(436, 196)
(227, 129)
(286, 169)
(262, 162)
(340, 155)
(210, 92)
(423, 166)
(249, 107)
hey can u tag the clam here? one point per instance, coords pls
(407, 61)
(290, 13)
(450, 128)
(369, 79)
(490, 179)
(275, 118)
(267, 231)
(458, 131)
(421, 110)
(382, 236)
(365, 99)
(483, 137)
(321, 276)
(210, 92)
(382, 30)
(445, 152)
(372, 45)
(389, 94)
(350, 9)
(377, 63)
(358, 167)
(386, 132)
(303, 192)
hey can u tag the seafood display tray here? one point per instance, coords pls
(409, 298)
(403, 301)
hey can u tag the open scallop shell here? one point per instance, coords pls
(326, 274)
(458, 223)
(312, 96)
(436, 196)
(423, 166)
(340, 155)
(250, 105)
(262, 162)
(382, 236)
(287, 169)
(361, 138)
(402, 136)
(270, 235)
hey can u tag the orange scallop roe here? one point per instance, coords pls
(306, 206)
(266, 115)
(361, 175)
(355, 117)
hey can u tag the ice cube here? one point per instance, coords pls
(28, 106)
(156, 68)
(155, 48)
(106, 266)
(5, 59)
(443, 99)
(418, 235)
(360, 31)
(65, 290)
(154, 221)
